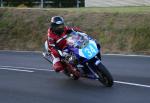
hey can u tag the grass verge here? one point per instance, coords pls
(119, 29)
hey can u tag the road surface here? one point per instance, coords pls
(25, 77)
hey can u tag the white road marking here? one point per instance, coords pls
(26, 68)
(129, 55)
(17, 70)
(20, 69)
(20, 51)
(132, 84)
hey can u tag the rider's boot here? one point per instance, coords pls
(72, 70)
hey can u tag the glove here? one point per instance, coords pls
(65, 54)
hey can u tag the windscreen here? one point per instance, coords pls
(77, 39)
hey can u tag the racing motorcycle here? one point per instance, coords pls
(83, 53)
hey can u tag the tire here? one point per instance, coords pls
(105, 77)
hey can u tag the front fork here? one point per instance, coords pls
(95, 75)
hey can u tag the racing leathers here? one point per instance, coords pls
(58, 42)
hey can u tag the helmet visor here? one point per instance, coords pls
(59, 22)
(58, 27)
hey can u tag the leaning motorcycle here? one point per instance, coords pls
(84, 54)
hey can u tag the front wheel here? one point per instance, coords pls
(104, 76)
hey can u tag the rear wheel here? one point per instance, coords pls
(104, 76)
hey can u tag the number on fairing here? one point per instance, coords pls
(90, 51)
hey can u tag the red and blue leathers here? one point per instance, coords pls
(55, 43)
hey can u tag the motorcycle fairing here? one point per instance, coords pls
(89, 51)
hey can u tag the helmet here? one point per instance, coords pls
(57, 24)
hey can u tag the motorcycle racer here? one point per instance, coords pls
(56, 35)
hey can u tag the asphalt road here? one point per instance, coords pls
(25, 77)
